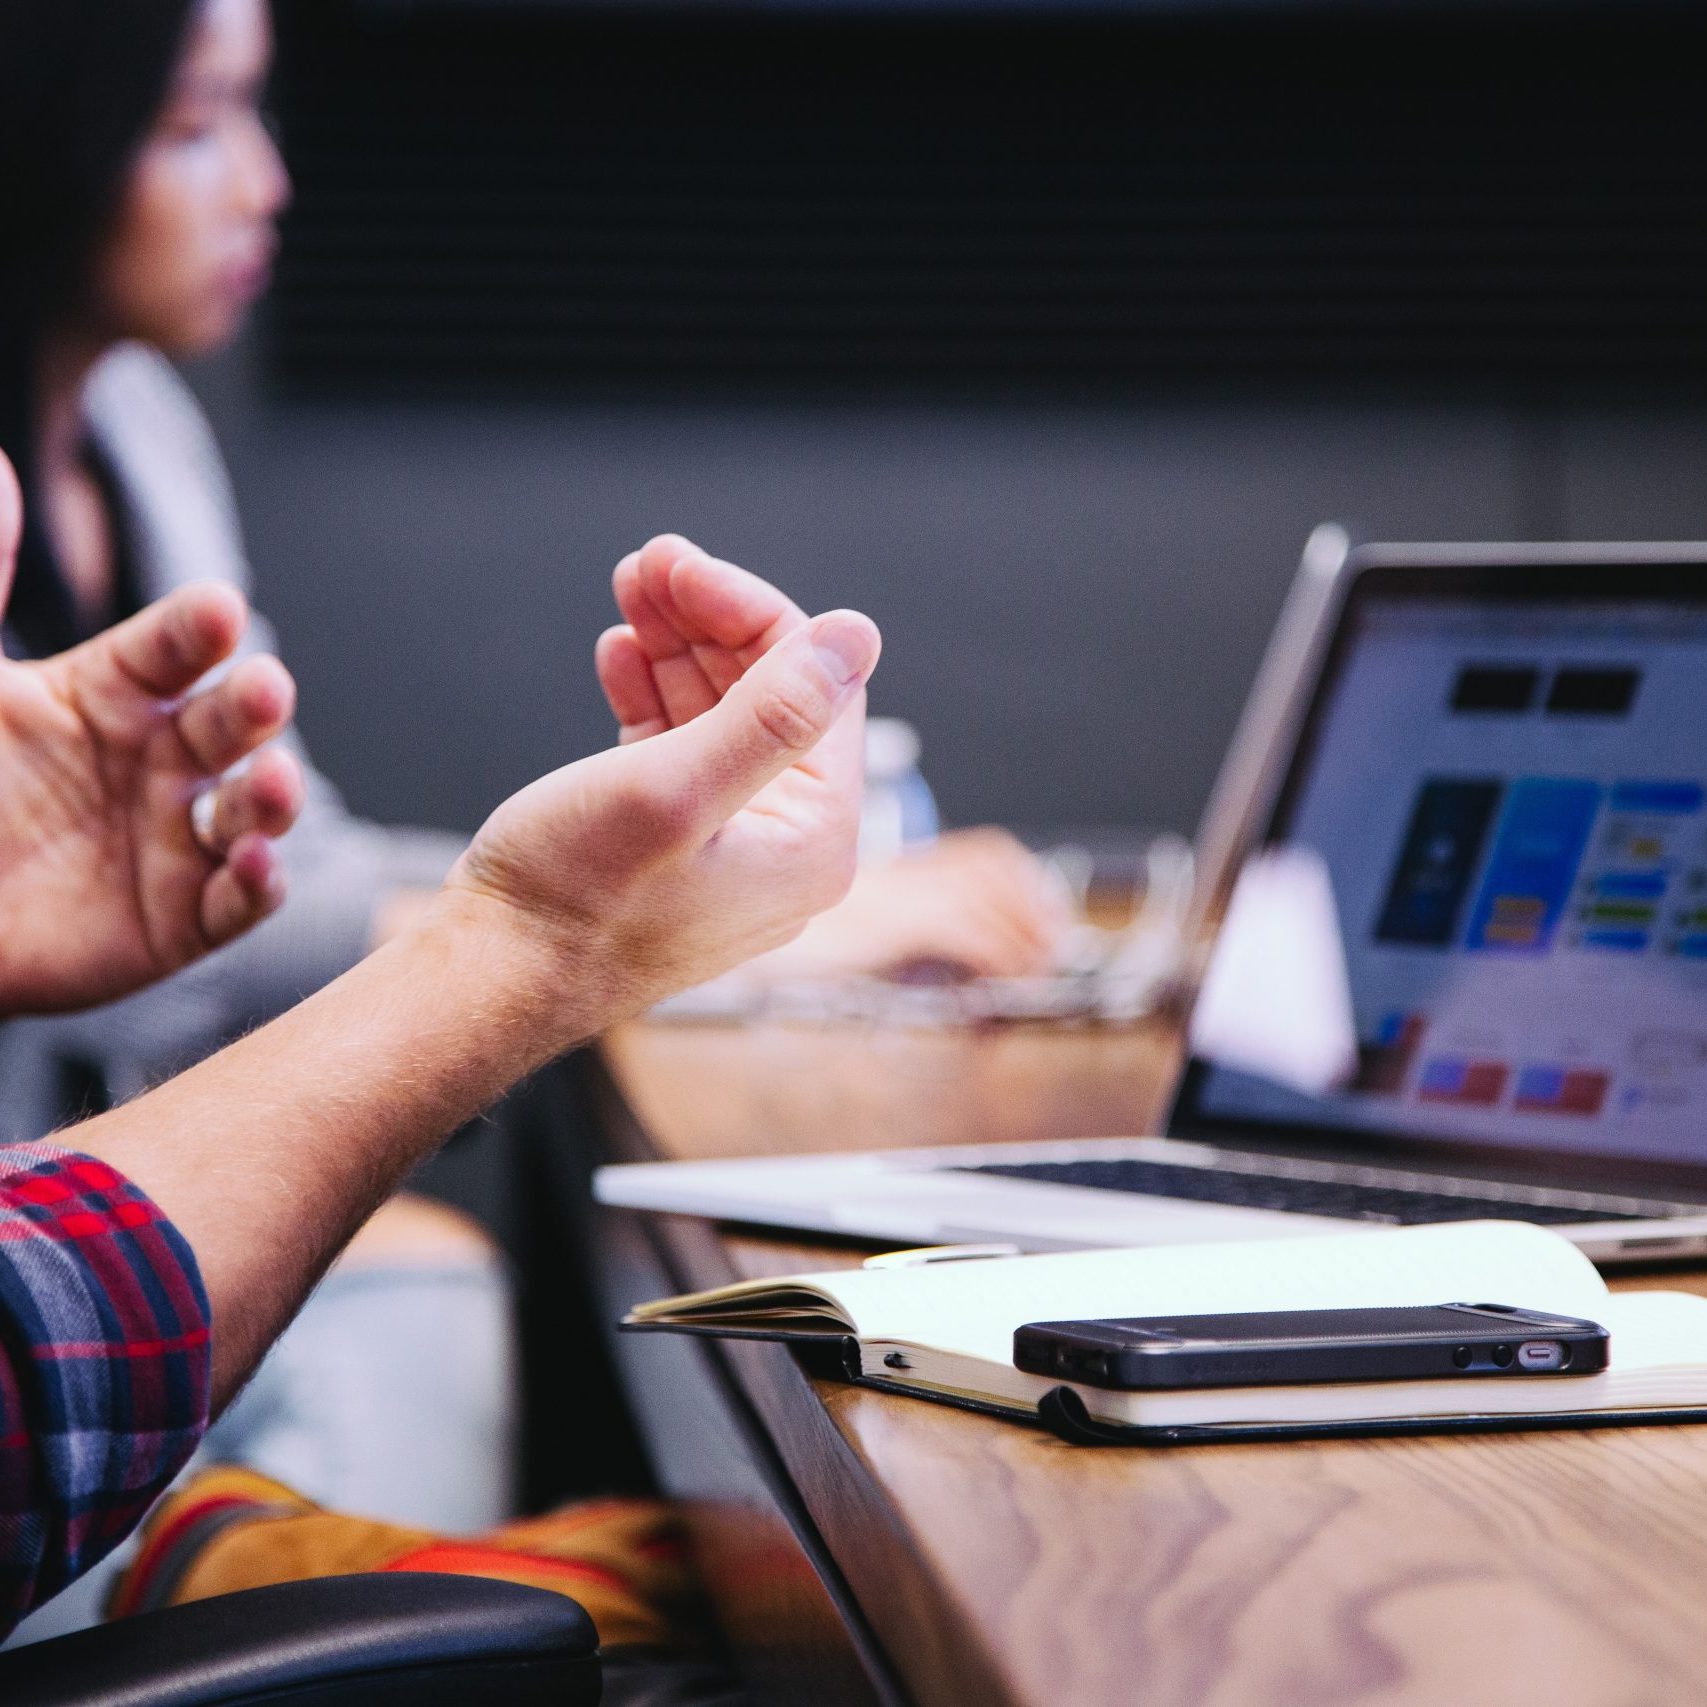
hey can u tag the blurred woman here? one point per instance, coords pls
(141, 197)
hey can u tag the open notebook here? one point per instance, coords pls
(945, 1330)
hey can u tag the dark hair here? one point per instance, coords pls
(80, 83)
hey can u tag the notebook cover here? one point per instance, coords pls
(836, 1337)
(1063, 1413)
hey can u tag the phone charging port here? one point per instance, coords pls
(1541, 1354)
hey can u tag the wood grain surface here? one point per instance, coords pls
(997, 1564)
(777, 1089)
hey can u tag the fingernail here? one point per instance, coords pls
(846, 646)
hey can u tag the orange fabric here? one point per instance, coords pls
(231, 1529)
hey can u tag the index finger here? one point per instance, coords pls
(701, 622)
(166, 649)
(676, 597)
(721, 604)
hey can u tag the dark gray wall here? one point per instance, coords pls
(1074, 600)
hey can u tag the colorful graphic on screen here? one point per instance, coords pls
(1560, 1090)
(1442, 847)
(1542, 834)
(1511, 805)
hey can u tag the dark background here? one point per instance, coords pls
(1043, 336)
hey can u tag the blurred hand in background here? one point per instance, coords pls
(972, 904)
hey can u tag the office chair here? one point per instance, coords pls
(398, 1638)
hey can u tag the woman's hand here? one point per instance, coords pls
(973, 904)
(727, 818)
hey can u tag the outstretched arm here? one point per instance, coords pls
(589, 895)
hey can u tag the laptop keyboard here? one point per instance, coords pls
(1320, 1196)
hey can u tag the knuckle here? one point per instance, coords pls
(206, 725)
(791, 715)
(174, 637)
(230, 722)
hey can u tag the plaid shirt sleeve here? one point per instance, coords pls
(104, 1365)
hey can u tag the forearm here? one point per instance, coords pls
(269, 1155)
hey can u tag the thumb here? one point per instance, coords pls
(782, 708)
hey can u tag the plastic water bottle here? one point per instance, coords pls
(899, 810)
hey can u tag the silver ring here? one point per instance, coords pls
(202, 811)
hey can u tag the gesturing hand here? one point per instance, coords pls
(976, 901)
(727, 817)
(104, 884)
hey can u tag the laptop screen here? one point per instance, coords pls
(1509, 798)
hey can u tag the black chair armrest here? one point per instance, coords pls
(408, 1640)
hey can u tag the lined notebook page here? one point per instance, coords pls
(973, 1307)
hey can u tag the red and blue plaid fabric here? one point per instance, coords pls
(103, 1365)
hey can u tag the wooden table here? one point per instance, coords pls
(868, 1547)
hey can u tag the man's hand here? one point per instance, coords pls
(104, 884)
(976, 903)
(725, 820)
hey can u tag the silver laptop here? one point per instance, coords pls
(1497, 758)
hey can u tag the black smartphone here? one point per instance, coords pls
(1269, 1348)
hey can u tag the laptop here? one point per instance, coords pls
(1496, 757)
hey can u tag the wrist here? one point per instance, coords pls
(519, 986)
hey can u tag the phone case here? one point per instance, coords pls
(1294, 1347)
